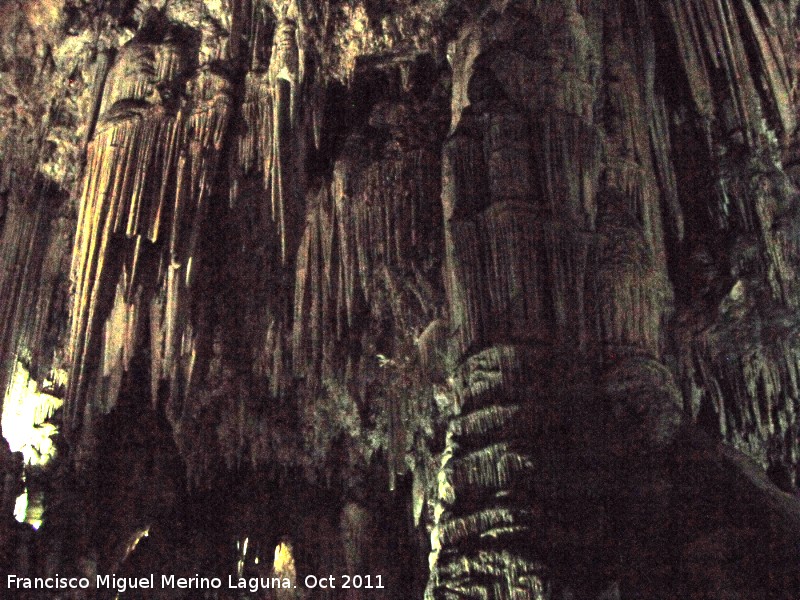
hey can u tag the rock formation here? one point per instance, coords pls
(482, 299)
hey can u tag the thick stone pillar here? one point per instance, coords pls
(556, 287)
(520, 170)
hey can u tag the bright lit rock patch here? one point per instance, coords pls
(283, 563)
(21, 507)
(29, 510)
(25, 412)
(137, 537)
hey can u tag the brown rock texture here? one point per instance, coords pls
(486, 299)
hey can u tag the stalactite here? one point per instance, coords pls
(373, 226)
(115, 338)
(754, 395)
(470, 430)
(126, 176)
(29, 271)
(255, 144)
(664, 167)
(285, 74)
(140, 69)
(141, 171)
(717, 35)
(202, 138)
(272, 142)
(363, 271)
(102, 67)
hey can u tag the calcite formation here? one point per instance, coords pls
(470, 299)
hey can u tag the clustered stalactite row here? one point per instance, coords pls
(742, 376)
(152, 175)
(522, 351)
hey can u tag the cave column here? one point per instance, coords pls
(519, 176)
(643, 406)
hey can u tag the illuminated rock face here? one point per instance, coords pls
(488, 300)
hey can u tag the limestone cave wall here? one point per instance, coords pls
(494, 299)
